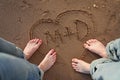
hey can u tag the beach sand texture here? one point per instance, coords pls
(63, 25)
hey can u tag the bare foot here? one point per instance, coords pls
(96, 46)
(48, 61)
(31, 47)
(80, 66)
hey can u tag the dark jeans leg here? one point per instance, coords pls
(10, 48)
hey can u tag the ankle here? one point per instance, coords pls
(27, 56)
(104, 55)
(87, 71)
(41, 67)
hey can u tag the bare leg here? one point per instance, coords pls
(80, 66)
(48, 61)
(96, 46)
(31, 47)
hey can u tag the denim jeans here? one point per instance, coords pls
(13, 65)
(107, 68)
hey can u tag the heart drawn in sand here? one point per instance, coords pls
(65, 34)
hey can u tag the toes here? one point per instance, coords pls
(89, 41)
(95, 40)
(54, 54)
(31, 41)
(86, 45)
(51, 52)
(53, 57)
(75, 67)
(36, 41)
(75, 60)
(39, 42)
(74, 64)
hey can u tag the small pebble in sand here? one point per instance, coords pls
(88, 7)
(95, 6)
(103, 6)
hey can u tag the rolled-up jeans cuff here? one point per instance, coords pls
(42, 73)
(94, 64)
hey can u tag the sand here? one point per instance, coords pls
(63, 25)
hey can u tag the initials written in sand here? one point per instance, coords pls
(58, 37)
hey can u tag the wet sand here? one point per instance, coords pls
(63, 25)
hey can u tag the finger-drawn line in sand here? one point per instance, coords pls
(74, 25)
(82, 31)
(77, 29)
(58, 35)
(82, 20)
(47, 37)
(66, 32)
(48, 30)
(26, 4)
(69, 25)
